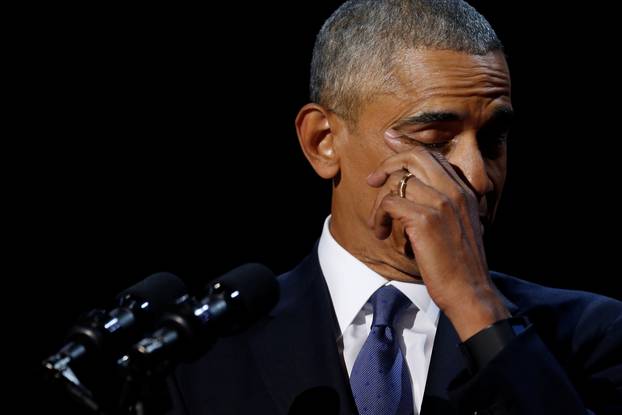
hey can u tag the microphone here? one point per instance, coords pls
(318, 400)
(233, 302)
(102, 331)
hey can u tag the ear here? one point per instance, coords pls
(318, 133)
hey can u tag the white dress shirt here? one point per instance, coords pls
(351, 283)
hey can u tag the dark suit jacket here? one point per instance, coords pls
(569, 362)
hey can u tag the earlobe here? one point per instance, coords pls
(317, 134)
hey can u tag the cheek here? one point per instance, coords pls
(359, 158)
(363, 155)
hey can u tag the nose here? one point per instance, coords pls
(470, 164)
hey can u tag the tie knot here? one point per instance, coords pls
(387, 302)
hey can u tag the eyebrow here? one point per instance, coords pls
(428, 117)
(502, 115)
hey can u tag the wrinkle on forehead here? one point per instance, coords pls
(424, 72)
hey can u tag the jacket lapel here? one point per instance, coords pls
(445, 364)
(296, 349)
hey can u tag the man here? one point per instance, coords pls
(396, 312)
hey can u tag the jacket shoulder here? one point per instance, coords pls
(531, 297)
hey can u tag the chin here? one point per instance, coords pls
(408, 270)
(398, 267)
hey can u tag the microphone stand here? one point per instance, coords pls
(59, 371)
(137, 393)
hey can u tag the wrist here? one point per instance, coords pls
(476, 312)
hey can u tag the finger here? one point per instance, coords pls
(397, 145)
(391, 187)
(417, 161)
(432, 169)
(462, 182)
(464, 198)
(395, 208)
(417, 193)
(425, 165)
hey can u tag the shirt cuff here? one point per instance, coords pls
(482, 347)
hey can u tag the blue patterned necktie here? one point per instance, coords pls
(379, 379)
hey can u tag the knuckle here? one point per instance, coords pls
(459, 195)
(389, 201)
(429, 219)
(443, 203)
(413, 157)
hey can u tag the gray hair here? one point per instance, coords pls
(356, 50)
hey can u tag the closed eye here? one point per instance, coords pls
(436, 146)
(432, 139)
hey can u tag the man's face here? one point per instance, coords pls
(450, 102)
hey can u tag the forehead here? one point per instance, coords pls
(435, 80)
(424, 71)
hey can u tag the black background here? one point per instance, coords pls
(162, 138)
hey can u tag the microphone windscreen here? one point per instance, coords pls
(160, 290)
(257, 287)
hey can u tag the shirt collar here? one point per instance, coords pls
(351, 283)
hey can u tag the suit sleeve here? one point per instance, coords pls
(525, 378)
